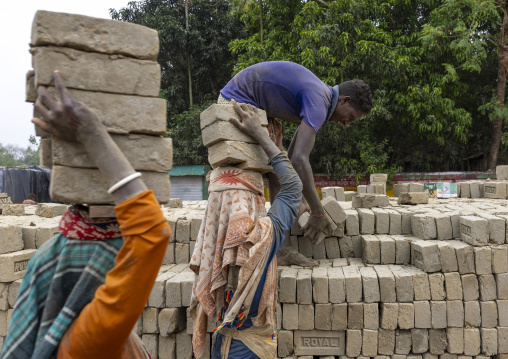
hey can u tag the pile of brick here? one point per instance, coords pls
(111, 67)
(227, 145)
(5, 200)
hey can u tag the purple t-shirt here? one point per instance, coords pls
(285, 90)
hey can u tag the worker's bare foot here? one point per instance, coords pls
(289, 256)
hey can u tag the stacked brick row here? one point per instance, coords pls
(112, 68)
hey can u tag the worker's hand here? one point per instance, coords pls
(316, 227)
(250, 124)
(64, 117)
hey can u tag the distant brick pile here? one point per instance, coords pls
(112, 68)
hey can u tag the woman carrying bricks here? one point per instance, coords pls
(234, 256)
(84, 289)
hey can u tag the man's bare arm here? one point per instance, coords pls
(299, 152)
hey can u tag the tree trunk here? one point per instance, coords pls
(261, 20)
(188, 56)
(502, 71)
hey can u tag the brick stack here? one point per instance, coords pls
(111, 67)
(227, 145)
(4, 200)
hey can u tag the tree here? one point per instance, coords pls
(13, 155)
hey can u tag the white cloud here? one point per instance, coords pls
(15, 27)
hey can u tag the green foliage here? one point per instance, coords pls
(13, 155)
(186, 135)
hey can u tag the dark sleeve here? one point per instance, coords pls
(285, 206)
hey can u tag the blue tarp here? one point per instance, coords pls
(19, 182)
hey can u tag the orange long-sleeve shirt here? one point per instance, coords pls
(103, 328)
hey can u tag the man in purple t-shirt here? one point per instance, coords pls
(291, 92)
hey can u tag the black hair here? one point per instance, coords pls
(31, 196)
(359, 91)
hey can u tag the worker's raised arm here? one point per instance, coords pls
(70, 120)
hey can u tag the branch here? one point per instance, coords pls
(322, 2)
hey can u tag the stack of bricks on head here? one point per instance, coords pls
(111, 67)
(405, 277)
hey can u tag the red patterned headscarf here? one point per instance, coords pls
(75, 224)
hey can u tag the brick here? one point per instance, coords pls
(472, 314)
(306, 317)
(352, 222)
(353, 343)
(387, 249)
(339, 317)
(353, 282)
(499, 259)
(367, 220)
(502, 172)
(323, 316)
(334, 210)
(502, 339)
(406, 316)
(437, 341)
(502, 285)
(443, 226)
(371, 316)
(320, 285)
(340, 194)
(497, 228)
(284, 343)
(453, 285)
(151, 320)
(224, 131)
(495, 190)
(472, 341)
(4, 295)
(357, 246)
(348, 196)
(389, 314)
(423, 317)
(45, 152)
(328, 192)
(382, 220)
(386, 340)
(13, 210)
(437, 288)
(336, 283)
(395, 221)
(86, 185)
(489, 314)
(402, 250)
(404, 284)
(151, 343)
(316, 342)
(319, 250)
(502, 310)
(144, 153)
(304, 286)
(369, 346)
(13, 293)
(218, 112)
(448, 257)
(455, 340)
(487, 287)
(157, 298)
(346, 247)
(425, 255)
(355, 316)
(88, 34)
(455, 313)
(474, 230)
(332, 247)
(371, 249)
(119, 75)
(287, 285)
(399, 188)
(13, 265)
(171, 320)
(182, 234)
(465, 257)
(420, 339)
(305, 246)
(232, 152)
(181, 253)
(423, 226)
(183, 346)
(405, 220)
(402, 342)
(413, 198)
(50, 210)
(421, 285)
(381, 200)
(483, 260)
(489, 341)
(386, 284)
(370, 285)
(124, 114)
(11, 238)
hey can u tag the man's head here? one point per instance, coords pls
(355, 101)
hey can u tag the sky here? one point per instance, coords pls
(15, 61)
